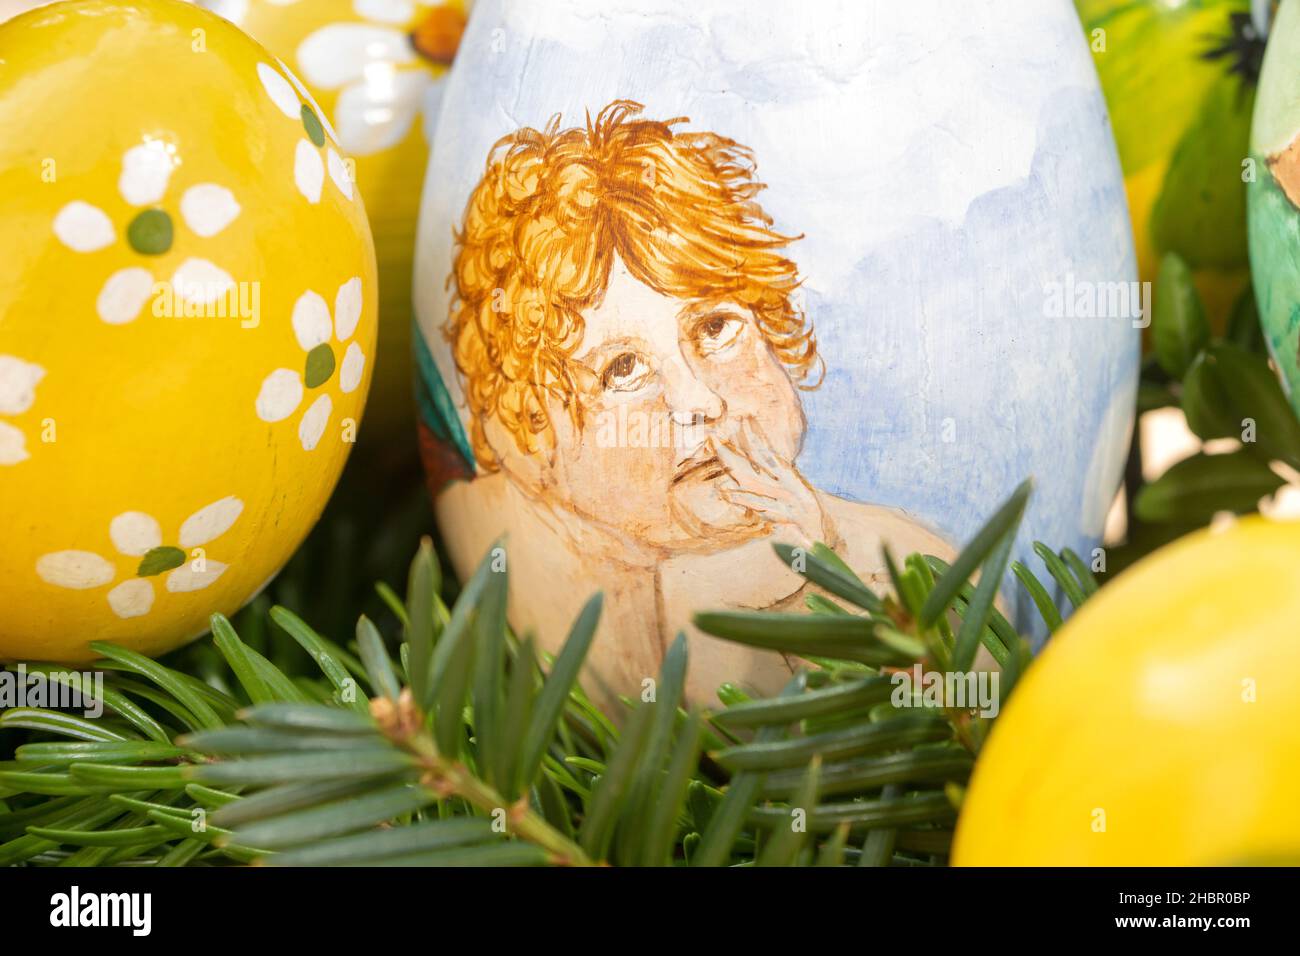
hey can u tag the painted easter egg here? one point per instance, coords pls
(1158, 727)
(376, 67)
(1274, 198)
(187, 322)
(694, 281)
(1180, 78)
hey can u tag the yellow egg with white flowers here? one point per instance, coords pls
(187, 323)
(377, 68)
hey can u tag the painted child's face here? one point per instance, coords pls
(660, 378)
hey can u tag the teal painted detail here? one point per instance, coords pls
(1274, 229)
(436, 408)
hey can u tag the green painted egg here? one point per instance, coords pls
(1180, 79)
(1274, 196)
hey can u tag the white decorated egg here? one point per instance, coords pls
(694, 279)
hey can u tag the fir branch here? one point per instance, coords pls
(457, 747)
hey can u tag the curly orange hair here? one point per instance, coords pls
(540, 234)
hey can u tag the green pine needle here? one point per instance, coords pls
(278, 746)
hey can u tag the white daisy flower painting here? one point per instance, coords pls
(204, 209)
(328, 357)
(178, 563)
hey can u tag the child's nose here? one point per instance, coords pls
(690, 400)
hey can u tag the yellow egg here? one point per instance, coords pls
(1159, 727)
(376, 68)
(187, 323)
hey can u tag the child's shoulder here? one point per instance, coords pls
(863, 530)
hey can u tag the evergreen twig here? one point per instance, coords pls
(455, 747)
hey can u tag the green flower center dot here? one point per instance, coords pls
(311, 123)
(150, 233)
(158, 560)
(320, 366)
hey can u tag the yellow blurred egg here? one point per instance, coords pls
(1159, 727)
(376, 67)
(187, 323)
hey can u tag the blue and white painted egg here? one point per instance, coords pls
(694, 278)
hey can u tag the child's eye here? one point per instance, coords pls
(625, 372)
(715, 332)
